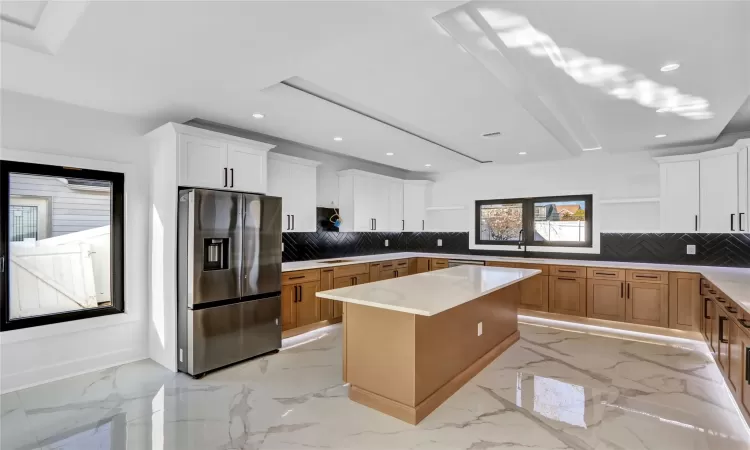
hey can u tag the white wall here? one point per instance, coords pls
(601, 174)
(44, 131)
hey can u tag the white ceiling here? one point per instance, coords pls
(223, 61)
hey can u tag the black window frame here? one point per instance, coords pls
(117, 242)
(528, 221)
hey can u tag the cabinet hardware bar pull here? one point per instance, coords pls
(731, 222)
(422, 224)
(705, 308)
(740, 220)
(225, 177)
(712, 291)
(288, 223)
(607, 273)
(745, 323)
(292, 222)
(696, 222)
(566, 279)
(622, 290)
(732, 309)
(297, 277)
(653, 277)
(566, 271)
(628, 290)
(721, 330)
(232, 172)
(721, 300)
(403, 224)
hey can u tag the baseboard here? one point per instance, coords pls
(46, 374)
(309, 327)
(414, 415)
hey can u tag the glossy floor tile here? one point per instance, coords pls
(554, 389)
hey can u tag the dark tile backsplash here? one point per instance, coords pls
(732, 250)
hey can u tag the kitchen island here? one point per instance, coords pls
(411, 342)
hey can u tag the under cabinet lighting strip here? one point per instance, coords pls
(309, 92)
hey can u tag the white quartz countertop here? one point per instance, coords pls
(733, 281)
(430, 293)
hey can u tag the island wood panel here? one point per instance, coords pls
(406, 365)
(684, 301)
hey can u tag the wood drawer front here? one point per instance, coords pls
(438, 263)
(543, 267)
(387, 265)
(568, 271)
(348, 271)
(501, 264)
(300, 276)
(647, 276)
(600, 273)
(401, 263)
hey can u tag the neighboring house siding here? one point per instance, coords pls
(70, 210)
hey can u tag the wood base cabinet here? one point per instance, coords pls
(684, 301)
(647, 304)
(423, 265)
(606, 299)
(535, 293)
(299, 306)
(567, 295)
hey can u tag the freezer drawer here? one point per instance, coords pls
(222, 335)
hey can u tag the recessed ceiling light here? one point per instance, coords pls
(259, 115)
(389, 154)
(338, 138)
(663, 110)
(591, 149)
(428, 165)
(670, 67)
(521, 153)
(659, 136)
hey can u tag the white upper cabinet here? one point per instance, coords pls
(247, 168)
(207, 159)
(415, 204)
(680, 196)
(203, 162)
(295, 181)
(371, 202)
(719, 188)
(706, 192)
(396, 205)
(743, 174)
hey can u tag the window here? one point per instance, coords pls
(555, 221)
(61, 244)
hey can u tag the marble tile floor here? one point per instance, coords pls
(554, 389)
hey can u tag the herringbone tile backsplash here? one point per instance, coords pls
(732, 250)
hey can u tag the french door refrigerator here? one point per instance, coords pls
(229, 278)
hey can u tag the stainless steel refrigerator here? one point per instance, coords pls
(229, 278)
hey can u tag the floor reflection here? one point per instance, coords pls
(554, 389)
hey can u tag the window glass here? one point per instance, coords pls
(59, 244)
(500, 221)
(560, 221)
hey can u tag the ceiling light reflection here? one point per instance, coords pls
(670, 67)
(515, 31)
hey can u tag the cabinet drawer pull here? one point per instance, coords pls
(567, 271)
(721, 300)
(721, 330)
(622, 290)
(297, 277)
(712, 292)
(731, 222)
(651, 277)
(744, 322)
(732, 310)
(705, 308)
(628, 290)
(566, 279)
(231, 171)
(609, 274)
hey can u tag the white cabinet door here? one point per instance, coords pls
(202, 162)
(247, 168)
(379, 198)
(395, 206)
(719, 190)
(680, 196)
(364, 198)
(302, 184)
(414, 207)
(744, 191)
(278, 186)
